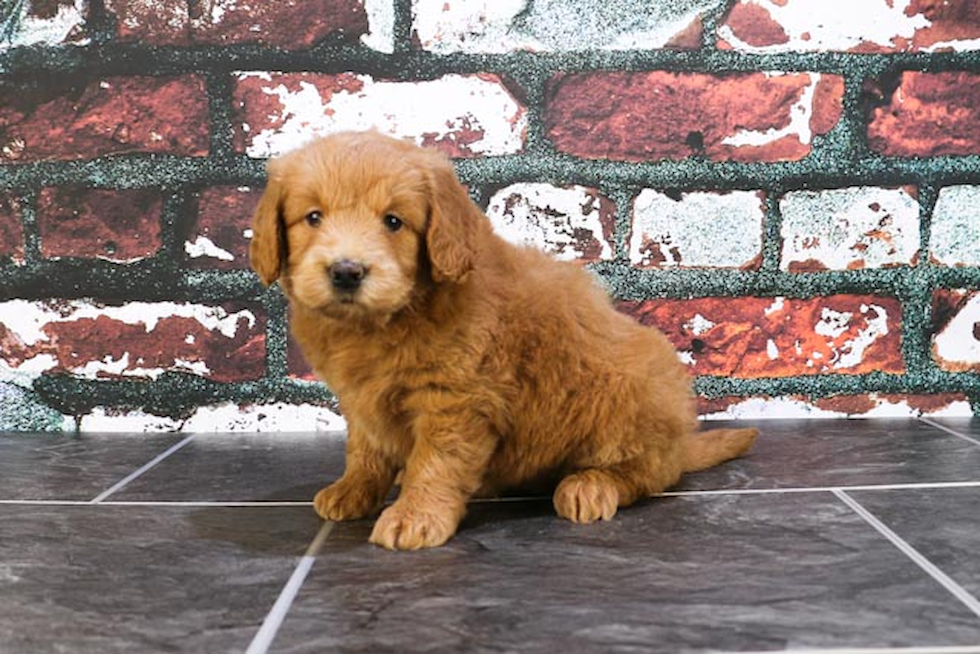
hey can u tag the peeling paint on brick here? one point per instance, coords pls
(463, 115)
(381, 22)
(956, 344)
(289, 24)
(142, 340)
(761, 26)
(225, 417)
(572, 223)
(219, 233)
(955, 234)
(873, 405)
(849, 229)
(497, 26)
(64, 26)
(697, 229)
(738, 336)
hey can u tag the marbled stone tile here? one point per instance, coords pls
(966, 427)
(72, 467)
(821, 453)
(243, 468)
(103, 579)
(691, 574)
(943, 524)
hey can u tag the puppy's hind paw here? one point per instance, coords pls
(345, 501)
(586, 496)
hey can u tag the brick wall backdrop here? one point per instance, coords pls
(789, 189)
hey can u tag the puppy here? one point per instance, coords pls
(468, 365)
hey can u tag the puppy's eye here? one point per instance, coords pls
(314, 218)
(393, 223)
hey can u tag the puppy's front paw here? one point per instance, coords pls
(586, 497)
(402, 527)
(343, 500)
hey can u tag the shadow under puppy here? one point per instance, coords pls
(469, 365)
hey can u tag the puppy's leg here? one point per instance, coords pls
(596, 493)
(368, 476)
(443, 471)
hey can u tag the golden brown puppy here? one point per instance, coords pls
(471, 366)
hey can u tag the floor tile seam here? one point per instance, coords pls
(277, 614)
(949, 430)
(510, 500)
(139, 472)
(941, 649)
(938, 575)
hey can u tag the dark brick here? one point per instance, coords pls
(118, 115)
(11, 228)
(116, 225)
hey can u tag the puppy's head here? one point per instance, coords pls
(352, 224)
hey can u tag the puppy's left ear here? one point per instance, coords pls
(266, 251)
(454, 222)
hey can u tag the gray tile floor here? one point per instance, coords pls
(833, 536)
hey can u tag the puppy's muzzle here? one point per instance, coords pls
(346, 275)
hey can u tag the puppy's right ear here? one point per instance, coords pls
(266, 251)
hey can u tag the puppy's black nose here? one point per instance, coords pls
(346, 275)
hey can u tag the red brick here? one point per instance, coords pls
(222, 217)
(780, 337)
(929, 114)
(641, 116)
(118, 225)
(289, 24)
(11, 228)
(137, 340)
(118, 115)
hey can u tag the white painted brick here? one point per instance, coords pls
(701, 229)
(381, 25)
(474, 114)
(851, 228)
(571, 223)
(957, 346)
(496, 26)
(955, 238)
(64, 27)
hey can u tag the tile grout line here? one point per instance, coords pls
(274, 619)
(949, 430)
(917, 557)
(119, 485)
(511, 500)
(942, 649)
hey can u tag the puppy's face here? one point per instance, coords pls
(350, 221)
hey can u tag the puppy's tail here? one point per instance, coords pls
(709, 448)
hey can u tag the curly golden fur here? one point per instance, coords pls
(471, 366)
